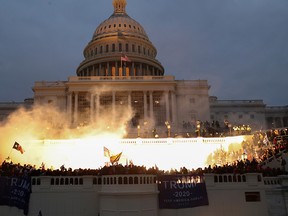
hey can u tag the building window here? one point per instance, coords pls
(120, 47)
(133, 48)
(252, 196)
(113, 47)
(159, 108)
(139, 49)
(192, 100)
(138, 106)
(107, 48)
(83, 108)
(127, 47)
(252, 116)
(101, 49)
(240, 116)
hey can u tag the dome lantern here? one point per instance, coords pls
(119, 6)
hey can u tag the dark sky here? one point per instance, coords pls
(239, 46)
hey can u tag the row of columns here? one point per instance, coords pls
(95, 105)
(276, 122)
(141, 69)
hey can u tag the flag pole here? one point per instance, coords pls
(121, 62)
(10, 152)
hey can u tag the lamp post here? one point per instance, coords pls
(138, 130)
(169, 130)
(198, 126)
(230, 128)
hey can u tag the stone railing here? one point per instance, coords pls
(121, 78)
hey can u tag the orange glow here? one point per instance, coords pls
(83, 147)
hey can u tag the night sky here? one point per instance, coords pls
(239, 46)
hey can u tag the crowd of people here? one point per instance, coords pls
(213, 129)
(264, 147)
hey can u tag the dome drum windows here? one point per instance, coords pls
(120, 47)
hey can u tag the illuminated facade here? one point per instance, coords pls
(120, 72)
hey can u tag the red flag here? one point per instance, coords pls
(18, 147)
(125, 58)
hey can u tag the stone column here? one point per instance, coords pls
(91, 107)
(151, 104)
(167, 106)
(97, 106)
(145, 104)
(113, 104)
(174, 108)
(108, 69)
(129, 99)
(69, 107)
(76, 108)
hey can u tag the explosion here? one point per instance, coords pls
(47, 138)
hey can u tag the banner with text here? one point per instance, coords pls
(182, 191)
(15, 191)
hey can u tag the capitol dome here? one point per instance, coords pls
(120, 47)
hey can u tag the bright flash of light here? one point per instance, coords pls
(166, 154)
(46, 137)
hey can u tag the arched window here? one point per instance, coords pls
(125, 180)
(107, 48)
(127, 47)
(120, 47)
(119, 180)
